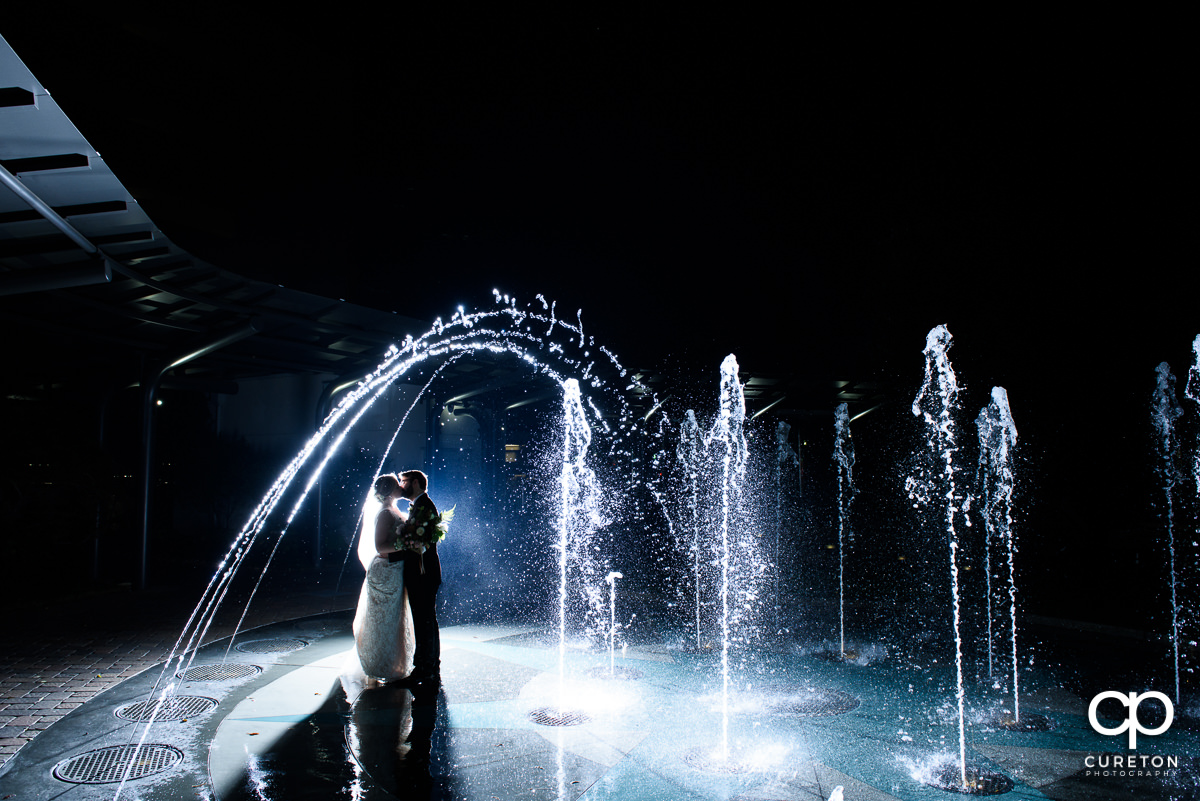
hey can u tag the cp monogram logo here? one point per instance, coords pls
(1131, 701)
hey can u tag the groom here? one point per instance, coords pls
(422, 577)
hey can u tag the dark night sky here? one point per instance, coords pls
(791, 189)
(811, 195)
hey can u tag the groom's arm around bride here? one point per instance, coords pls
(422, 573)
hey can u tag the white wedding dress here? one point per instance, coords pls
(383, 628)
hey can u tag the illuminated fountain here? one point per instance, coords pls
(739, 554)
(689, 452)
(660, 724)
(1164, 412)
(783, 454)
(728, 435)
(1192, 391)
(936, 404)
(843, 454)
(996, 480)
(526, 333)
(579, 517)
(612, 621)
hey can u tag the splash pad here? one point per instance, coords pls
(603, 707)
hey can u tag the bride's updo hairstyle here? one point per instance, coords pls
(386, 486)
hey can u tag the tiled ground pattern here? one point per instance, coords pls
(55, 657)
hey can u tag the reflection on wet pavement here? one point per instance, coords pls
(307, 727)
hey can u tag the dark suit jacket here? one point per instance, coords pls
(414, 579)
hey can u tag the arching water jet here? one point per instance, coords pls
(527, 334)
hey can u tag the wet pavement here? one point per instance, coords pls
(278, 714)
(56, 655)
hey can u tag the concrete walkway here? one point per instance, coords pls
(644, 724)
(55, 657)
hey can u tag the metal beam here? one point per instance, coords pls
(98, 272)
(42, 279)
(43, 208)
(247, 329)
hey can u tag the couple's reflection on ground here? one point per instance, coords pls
(366, 742)
(391, 736)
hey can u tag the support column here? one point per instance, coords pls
(152, 375)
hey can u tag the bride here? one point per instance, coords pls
(383, 628)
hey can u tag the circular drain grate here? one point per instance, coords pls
(815, 702)
(180, 707)
(836, 656)
(621, 673)
(553, 716)
(280, 646)
(219, 672)
(979, 781)
(107, 765)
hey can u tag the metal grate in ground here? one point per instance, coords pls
(177, 708)
(980, 781)
(276, 646)
(225, 672)
(107, 765)
(552, 716)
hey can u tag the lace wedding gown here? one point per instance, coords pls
(383, 628)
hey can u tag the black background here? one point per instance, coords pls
(810, 193)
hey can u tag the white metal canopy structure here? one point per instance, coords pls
(95, 299)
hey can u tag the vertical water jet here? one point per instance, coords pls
(727, 432)
(843, 455)
(783, 453)
(1192, 391)
(579, 508)
(612, 620)
(1164, 412)
(507, 329)
(689, 453)
(935, 405)
(997, 439)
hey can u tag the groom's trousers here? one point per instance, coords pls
(422, 589)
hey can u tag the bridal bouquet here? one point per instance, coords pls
(424, 528)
